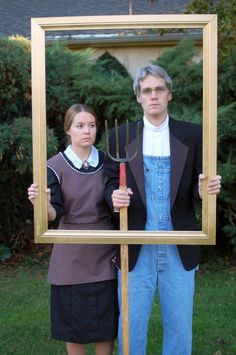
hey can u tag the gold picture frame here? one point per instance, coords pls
(39, 26)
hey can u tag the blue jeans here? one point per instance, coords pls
(160, 269)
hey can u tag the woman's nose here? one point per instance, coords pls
(86, 129)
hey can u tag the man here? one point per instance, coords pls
(163, 181)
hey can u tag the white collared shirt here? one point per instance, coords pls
(93, 158)
(156, 140)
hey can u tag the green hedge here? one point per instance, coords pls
(106, 86)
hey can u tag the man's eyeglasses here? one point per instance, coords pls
(157, 90)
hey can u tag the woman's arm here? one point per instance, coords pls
(33, 194)
(53, 191)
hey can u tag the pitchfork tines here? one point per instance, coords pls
(117, 157)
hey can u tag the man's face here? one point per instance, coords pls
(154, 97)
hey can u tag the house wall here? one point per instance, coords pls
(133, 57)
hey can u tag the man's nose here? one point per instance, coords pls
(154, 93)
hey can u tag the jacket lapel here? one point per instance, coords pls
(178, 153)
(136, 164)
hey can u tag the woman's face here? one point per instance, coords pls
(83, 130)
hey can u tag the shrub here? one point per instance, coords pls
(76, 77)
(14, 78)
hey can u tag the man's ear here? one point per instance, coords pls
(170, 96)
(138, 99)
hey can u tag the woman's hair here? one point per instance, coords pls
(72, 112)
(154, 70)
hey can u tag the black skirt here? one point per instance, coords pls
(85, 313)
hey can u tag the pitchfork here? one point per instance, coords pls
(124, 227)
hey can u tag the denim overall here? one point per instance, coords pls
(160, 269)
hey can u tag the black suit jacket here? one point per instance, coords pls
(186, 165)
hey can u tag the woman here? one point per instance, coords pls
(82, 277)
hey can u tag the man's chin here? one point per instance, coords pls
(155, 112)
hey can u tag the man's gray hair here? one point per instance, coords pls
(154, 70)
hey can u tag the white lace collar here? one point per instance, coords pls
(92, 160)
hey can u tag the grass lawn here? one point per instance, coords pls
(24, 312)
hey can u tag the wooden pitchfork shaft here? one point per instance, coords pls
(124, 267)
(124, 227)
